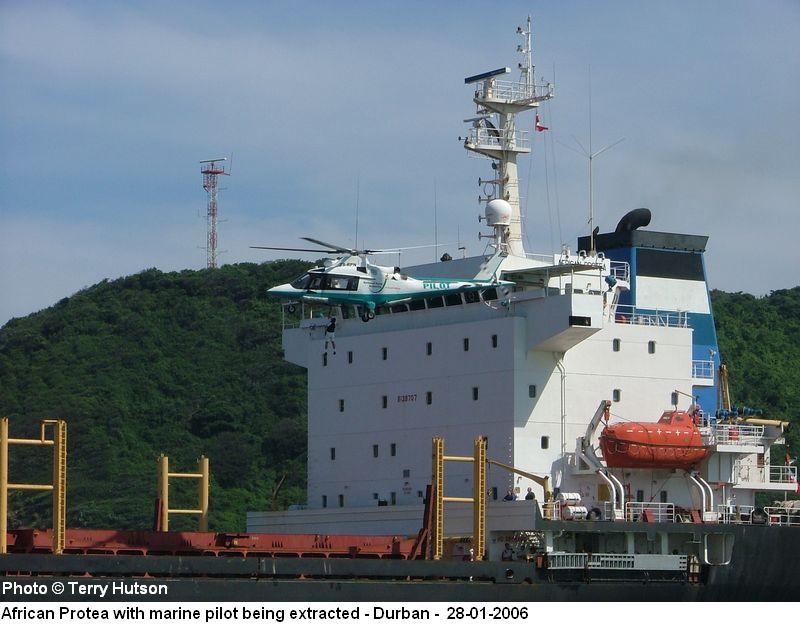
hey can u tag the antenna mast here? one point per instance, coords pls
(493, 133)
(211, 169)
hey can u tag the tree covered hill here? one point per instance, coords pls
(189, 363)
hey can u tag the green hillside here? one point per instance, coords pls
(189, 363)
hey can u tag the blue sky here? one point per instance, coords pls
(106, 107)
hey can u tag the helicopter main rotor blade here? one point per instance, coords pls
(301, 250)
(340, 249)
(386, 251)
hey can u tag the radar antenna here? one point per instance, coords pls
(493, 133)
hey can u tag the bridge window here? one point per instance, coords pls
(494, 341)
(532, 391)
(615, 344)
(429, 348)
(341, 404)
(385, 401)
(475, 394)
(616, 395)
(545, 441)
(333, 453)
(651, 347)
(374, 450)
(451, 300)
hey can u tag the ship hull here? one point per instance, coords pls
(758, 571)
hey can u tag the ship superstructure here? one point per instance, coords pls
(589, 338)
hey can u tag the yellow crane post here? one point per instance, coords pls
(58, 487)
(202, 475)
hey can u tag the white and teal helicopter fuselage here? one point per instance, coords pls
(355, 281)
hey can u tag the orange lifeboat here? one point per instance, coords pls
(672, 442)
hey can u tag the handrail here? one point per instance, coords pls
(628, 314)
(752, 473)
(660, 512)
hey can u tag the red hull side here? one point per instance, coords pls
(672, 442)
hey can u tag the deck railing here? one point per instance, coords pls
(703, 369)
(616, 561)
(498, 138)
(753, 473)
(782, 516)
(733, 434)
(656, 512)
(628, 314)
(511, 91)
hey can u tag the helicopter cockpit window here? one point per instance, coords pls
(315, 283)
(301, 282)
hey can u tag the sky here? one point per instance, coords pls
(107, 107)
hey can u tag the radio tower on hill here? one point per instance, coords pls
(211, 169)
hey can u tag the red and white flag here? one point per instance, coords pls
(539, 126)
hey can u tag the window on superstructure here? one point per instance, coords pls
(374, 496)
(428, 398)
(374, 450)
(640, 496)
(349, 357)
(341, 404)
(474, 394)
(674, 399)
(494, 493)
(406, 473)
(615, 344)
(494, 341)
(545, 441)
(532, 391)
(324, 359)
(385, 353)
(419, 494)
(616, 395)
(394, 498)
(341, 500)
(385, 401)
(651, 347)
(429, 348)
(324, 501)
(333, 453)
(466, 343)
(663, 496)
(393, 449)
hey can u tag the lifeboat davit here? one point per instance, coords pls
(672, 442)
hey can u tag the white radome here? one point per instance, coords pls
(498, 212)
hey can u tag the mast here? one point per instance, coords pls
(494, 134)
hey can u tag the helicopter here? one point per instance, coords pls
(351, 279)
